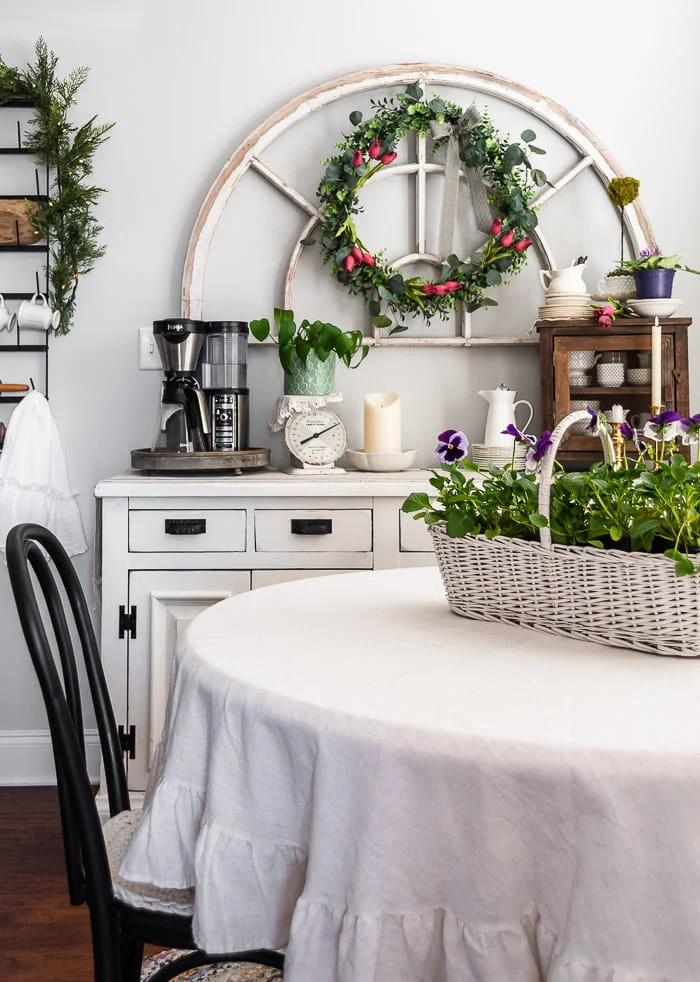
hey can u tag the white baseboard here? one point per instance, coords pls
(26, 758)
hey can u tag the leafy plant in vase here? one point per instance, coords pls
(653, 273)
(308, 351)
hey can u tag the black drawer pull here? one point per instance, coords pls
(185, 526)
(312, 526)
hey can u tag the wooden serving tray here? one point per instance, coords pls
(209, 460)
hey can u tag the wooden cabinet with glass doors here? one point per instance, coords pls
(573, 381)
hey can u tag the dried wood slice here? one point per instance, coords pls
(15, 227)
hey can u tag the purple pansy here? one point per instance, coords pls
(537, 451)
(664, 426)
(512, 430)
(648, 253)
(627, 431)
(452, 446)
(593, 424)
(690, 428)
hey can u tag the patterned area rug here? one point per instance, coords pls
(225, 972)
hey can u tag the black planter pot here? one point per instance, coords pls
(653, 284)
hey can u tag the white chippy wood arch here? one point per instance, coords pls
(590, 152)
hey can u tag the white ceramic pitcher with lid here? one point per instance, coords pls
(501, 413)
(567, 280)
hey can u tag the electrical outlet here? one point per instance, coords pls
(148, 352)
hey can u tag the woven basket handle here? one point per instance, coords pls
(548, 465)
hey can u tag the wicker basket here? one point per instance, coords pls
(628, 600)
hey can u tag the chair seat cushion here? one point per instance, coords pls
(223, 972)
(117, 832)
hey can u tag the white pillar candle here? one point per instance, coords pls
(617, 414)
(382, 423)
(656, 363)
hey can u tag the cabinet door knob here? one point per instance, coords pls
(185, 526)
(312, 526)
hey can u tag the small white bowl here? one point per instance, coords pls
(654, 308)
(386, 462)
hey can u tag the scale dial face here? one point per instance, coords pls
(316, 438)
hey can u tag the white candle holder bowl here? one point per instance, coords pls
(386, 461)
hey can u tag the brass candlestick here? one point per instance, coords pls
(618, 442)
(655, 410)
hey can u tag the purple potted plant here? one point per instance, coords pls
(653, 273)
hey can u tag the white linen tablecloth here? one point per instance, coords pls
(403, 795)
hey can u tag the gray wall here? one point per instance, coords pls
(185, 82)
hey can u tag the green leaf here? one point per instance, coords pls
(458, 524)
(437, 105)
(375, 308)
(416, 501)
(527, 136)
(356, 117)
(533, 149)
(414, 91)
(260, 329)
(396, 284)
(538, 520)
(399, 329)
(309, 240)
(539, 177)
(615, 533)
(333, 172)
(493, 277)
(512, 157)
(381, 321)
(684, 567)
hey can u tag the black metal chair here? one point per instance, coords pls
(119, 929)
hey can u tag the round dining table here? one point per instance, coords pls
(395, 793)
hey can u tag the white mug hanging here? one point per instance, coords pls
(5, 315)
(36, 314)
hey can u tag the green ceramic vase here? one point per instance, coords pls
(315, 378)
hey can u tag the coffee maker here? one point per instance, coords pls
(183, 421)
(223, 374)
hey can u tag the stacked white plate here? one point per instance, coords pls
(564, 306)
(500, 456)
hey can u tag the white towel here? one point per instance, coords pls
(34, 485)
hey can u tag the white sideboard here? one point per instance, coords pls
(171, 546)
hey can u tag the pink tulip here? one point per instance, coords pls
(453, 285)
(608, 310)
(357, 158)
(522, 245)
(507, 239)
(356, 254)
(441, 289)
(428, 289)
(349, 264)
(497, 226)
(375, 150)
(368, 258)
(388, 158)
(605, 320)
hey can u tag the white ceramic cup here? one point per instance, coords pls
(36, 314)
(5, 315)
(639, 376)
(579, 378)
(582, 360)
(611, 374)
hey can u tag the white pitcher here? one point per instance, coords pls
(501, 413)
(567, 280)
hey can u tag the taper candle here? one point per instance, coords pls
(382, 423)
(656, 363)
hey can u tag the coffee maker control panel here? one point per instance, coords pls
(222, 421)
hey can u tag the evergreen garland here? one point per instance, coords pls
(66, 220)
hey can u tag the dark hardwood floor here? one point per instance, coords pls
(42, 938)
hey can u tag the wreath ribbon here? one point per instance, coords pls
(475, 182)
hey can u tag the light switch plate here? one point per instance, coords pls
(148, 352)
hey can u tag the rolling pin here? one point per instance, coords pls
(9, 387)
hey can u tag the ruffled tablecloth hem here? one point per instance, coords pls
(332, 943)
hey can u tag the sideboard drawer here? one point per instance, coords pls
(414, 535)
(187, 531)
(304, 530)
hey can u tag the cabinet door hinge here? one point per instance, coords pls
(128, 741)
(127, 622)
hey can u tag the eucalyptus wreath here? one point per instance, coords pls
(506, 169)
(66, 220)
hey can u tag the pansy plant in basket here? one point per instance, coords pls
(499, 172)
(651, 504)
